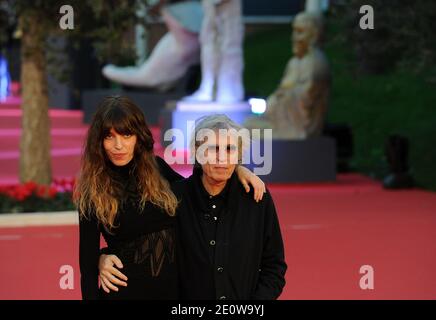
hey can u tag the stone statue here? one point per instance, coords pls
(221, 39)
(175, 52)
(297, 108)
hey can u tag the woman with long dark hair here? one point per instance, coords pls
(123, 193)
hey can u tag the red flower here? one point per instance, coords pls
(21, 192)
(63, 185)
(6, 189)
(52, 192)
(19, 197)
(41, 191)
(31, 186)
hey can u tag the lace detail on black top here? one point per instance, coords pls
(149, 252)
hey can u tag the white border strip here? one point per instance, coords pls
(35, 219)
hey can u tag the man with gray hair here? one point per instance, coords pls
(230, 245)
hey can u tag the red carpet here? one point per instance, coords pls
(330, 231)
(329, 234)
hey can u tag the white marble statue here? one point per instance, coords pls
(175, 52)
(221, 40)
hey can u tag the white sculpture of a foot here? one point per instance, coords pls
(173, 55)
(201, 95)
(230, 97)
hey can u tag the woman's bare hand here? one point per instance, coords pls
(246, 177)
(111, 277)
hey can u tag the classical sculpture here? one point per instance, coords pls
(296, 110)
(221, 53)
(175, 52)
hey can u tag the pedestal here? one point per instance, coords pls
(181, 116)
(294, 161)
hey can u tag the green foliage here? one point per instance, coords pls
(403, 34)
(375, 106)
(31, 197)
(266, 55)
(379, 105)
(60, 202)
(108, 24)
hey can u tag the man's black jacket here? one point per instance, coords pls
(249, 255)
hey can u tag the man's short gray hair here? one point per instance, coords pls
(216, 122)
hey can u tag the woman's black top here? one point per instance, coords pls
(144, 240)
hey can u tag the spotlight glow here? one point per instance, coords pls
(4, 79)
(258, 106)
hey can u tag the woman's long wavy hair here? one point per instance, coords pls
(95, 190)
